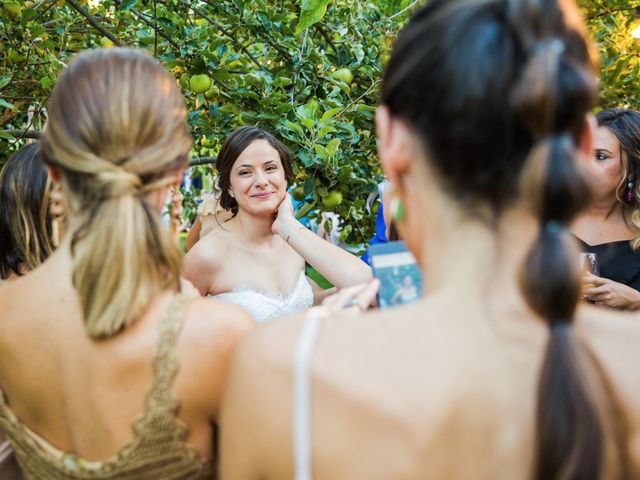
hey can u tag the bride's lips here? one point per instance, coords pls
(262, 195)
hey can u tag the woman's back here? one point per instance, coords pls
(402, 394)
(82, 397)
(104, 348)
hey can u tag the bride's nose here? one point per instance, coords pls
(261, 178)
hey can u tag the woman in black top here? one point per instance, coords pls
(610, 227)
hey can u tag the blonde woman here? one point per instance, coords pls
(114, 373)
(25, 222)
(498, 372)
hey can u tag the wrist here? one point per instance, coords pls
(634, 302)
(289, 228)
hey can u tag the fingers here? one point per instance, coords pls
(595, 291)
(588, 277)
(353, 299)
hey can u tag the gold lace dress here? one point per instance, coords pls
(158, 449)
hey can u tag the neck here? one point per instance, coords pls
(253, 228)
(604, 208)
(467, 255)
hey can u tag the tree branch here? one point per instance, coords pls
(83, 11)
(33, 134)
(202, 161)
(609, 12)
(228, 34)
(327, 38)
(150, 24)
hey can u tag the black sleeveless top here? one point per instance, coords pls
(618, 262)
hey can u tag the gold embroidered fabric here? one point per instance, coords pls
(158, 449)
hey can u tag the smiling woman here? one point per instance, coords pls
(610, 227)
(257, 258)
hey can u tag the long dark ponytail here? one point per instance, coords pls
(498, 90)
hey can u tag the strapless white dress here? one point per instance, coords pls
(264, 306)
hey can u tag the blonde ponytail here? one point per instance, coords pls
(117, 131)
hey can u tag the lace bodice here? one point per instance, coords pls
(264, 306)
(158, 449)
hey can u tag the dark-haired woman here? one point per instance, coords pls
(500, 372)
(257, 258)
(610, 227)
(25, 222)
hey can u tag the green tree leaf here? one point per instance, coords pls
(312, 12)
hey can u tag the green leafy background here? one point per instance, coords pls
(272, 64)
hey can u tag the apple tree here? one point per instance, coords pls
(307, 70)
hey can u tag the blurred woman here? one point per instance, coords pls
(25, 222)
(610, 226)
(495, 373)
(256, 259)
(210, 215)
(114, 373)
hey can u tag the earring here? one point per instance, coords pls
(397, 209)
(630, 188)
(231, 194)
(57, 212)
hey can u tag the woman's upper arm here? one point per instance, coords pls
(193, 236)
(208, 342)
(200, 266)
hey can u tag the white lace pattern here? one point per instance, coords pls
(265, 306)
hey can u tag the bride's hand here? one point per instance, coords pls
(354, 300)
(285, 218)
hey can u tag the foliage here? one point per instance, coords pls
(279, 64)
(611, 23)
(271, 63)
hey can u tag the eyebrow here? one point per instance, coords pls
(603, 150)
(246, 165)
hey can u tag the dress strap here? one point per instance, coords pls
(302, 393)
(161, 399)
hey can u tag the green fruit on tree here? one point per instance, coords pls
(15, 57)
(332, 200)
(200, 83)
(298, 194)
(207, 142)
(201, 22)
(13, 8)
(344, 75)
(106, 42)
(212, 93)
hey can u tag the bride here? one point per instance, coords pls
(257, 258)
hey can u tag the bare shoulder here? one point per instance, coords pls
(614, 338)
(209, 249)
(206, 315)
(258, 392)
(204, 260)
(610, 331)
(210, 334)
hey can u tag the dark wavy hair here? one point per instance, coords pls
(25, 223)
(624, 123)
(234, 144)
(498, 92)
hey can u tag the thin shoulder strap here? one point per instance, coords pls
(302, 393)
(161, 398)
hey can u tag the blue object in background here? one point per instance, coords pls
(380, 236)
